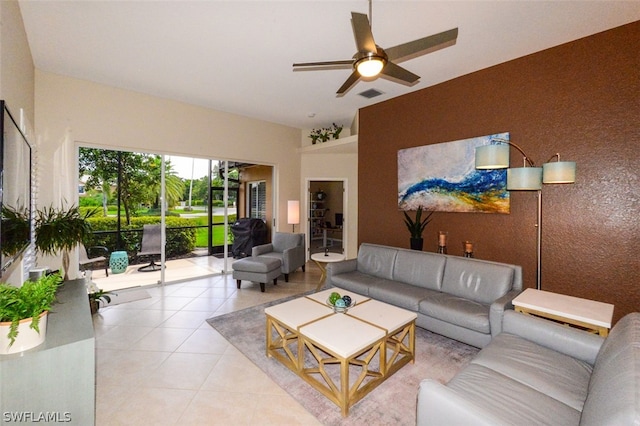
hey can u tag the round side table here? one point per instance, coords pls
(118, 262)
(321, 259)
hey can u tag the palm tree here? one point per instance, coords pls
(174, 185)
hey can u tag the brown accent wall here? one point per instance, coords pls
(581, 99)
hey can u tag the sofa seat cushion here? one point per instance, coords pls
(478, 281)
(513, 402)
(559, 376)
(403, 295)
(272, 255)
(456, 310)
(354, 281)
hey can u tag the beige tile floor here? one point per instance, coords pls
(177, 270)
(159, 362)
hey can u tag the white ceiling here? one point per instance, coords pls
(237, 56)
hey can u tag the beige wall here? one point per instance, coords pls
(254, 174)
(16, 64)
(71, 112)
(330, 167)
(16, 86)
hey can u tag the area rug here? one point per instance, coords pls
(391, 403)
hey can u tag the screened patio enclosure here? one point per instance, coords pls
(192, 202)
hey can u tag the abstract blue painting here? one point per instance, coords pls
(443, 177)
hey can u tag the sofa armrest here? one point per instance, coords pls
(497, 309)
(293, 258)
(566, 340)
(261, 249)
(336, 268)
(439, 405)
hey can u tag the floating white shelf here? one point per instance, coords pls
(348, 145)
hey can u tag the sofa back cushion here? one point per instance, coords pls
(282, 241)
(376, 260)
(614, 388)
(476, 280)
(420, 269)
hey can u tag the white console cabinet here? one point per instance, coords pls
(54, 383)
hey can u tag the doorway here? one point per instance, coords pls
(326, 214)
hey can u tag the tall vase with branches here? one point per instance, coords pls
(61, 230)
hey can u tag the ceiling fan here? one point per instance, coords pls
(371, 60)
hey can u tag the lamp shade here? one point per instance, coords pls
(492, 156)
(293, 212)
(559, 172)
(524, 179)
(369, 66)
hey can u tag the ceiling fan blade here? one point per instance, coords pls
(324, 63)
(422, 46)
(353, 79)
(397, 72)
(362, 33)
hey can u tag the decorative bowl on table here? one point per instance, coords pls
(340, 304)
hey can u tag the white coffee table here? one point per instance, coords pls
(324, 347)
(588, 314)
(321, 259)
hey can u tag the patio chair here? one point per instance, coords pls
(84, 259)
(150, 246)
(288, 248)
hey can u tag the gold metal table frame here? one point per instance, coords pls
(344, 375)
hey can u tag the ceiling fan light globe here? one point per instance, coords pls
(369, 67)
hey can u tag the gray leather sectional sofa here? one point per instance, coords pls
(538, 372)
(461, 298)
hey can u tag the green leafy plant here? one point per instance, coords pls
(324, 134)
(335, 131)
(28, 301)
(15, 229)
(98, 298)
(101, 296)
(416, 227)
(61, 230)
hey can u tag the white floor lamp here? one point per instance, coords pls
(293, 213)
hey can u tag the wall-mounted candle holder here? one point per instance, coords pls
(468, 248)
(442, 242)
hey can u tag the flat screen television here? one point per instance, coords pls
(15, 190)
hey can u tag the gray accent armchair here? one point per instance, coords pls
(289, 248)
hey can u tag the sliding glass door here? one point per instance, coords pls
(191, 203)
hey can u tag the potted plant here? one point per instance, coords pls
(416, 227)
(15, 228)
(97, 298)
(335, 131)
(61, 230)
(23, 312)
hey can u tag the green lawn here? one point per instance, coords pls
(218, 230)
(201, 236)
